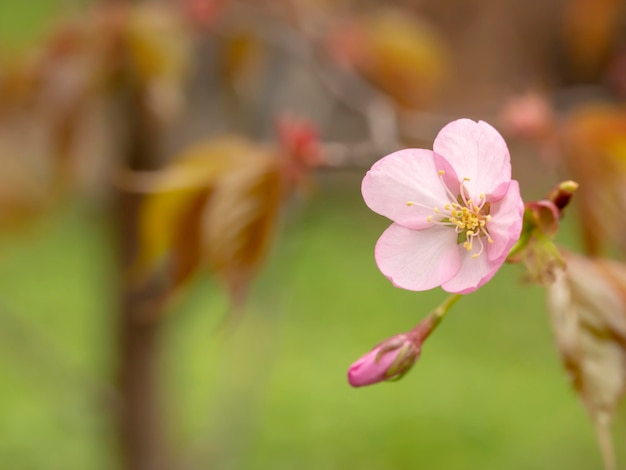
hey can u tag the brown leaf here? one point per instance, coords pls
(240, 220)
(23, 195)
(402, 55)
(594, 145)
(587, 304)
(160, 49)
(166, 225)
(54, 88)
(216, 203)
(177, 198)
(242, 57)
(590, 29)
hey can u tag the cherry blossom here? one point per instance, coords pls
(456, 210)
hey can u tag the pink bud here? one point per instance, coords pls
(545, 216)
(391, 359)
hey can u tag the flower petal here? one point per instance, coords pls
(403, 176)
(368, 370)
(418, 259)
(474, 272)
(505, 225)
(476, 151)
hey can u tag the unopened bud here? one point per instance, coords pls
(390, 360)
(544, 216)
(541, 223)
(562, 194)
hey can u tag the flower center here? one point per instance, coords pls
(469, 218)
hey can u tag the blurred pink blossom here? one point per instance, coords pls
(528, 116)
(455, 209)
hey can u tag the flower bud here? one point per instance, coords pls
(390, 360)
(562, 194)
(545, 217)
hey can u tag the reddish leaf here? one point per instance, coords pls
(239, 223)
(400, 54)
(590, 29)
(218, 203)
(594, 145)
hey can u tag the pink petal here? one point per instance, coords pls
(367, 370)
(406, 175)
(418, 259)
(474, 272)
(476, 151)
(505, 225)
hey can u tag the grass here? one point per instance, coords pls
(488, 391)
(20, 21)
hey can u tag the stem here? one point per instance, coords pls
(445, 306)
(605, 440)
(432, 320)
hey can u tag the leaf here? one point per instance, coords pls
(239, 224)
(160, 50)
(23, 195)
(216, 204)
(242, 57)
(54, 88)
(590, 30)
(594, 145)
(204, 13)
(164, 217)
(587, 305)
(403, 56)
(179, 194)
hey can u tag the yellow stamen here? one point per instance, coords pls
(466, 217)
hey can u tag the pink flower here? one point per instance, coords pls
(389, 360)
(455, 209)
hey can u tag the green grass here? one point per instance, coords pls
(488, 391)
(20, 21)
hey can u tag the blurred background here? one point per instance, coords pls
(186, 263)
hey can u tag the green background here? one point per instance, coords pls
(488, 391)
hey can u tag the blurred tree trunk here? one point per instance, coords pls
(140, 428)
(141, 431)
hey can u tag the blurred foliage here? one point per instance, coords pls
(590, 30)
(218, 203)
(406, 58)
(222, 213)
(594, 142)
